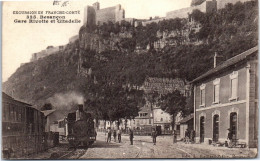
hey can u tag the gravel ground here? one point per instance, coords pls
(144, 148)
(60, 152)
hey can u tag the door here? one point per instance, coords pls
(202, 130)
(215, 128)
(233, 125)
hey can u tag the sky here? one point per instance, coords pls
(21, 40)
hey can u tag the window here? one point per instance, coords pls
(11, 113)
(202, 95)
(216, 85)
(233, 86)
(161, 119)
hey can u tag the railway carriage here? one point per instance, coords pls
(22, 128)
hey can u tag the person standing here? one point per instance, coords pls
(131, 136)
(154, 135)
(119, 135)
(174, 136)
(114, 134)
(187, 136)
(108, 135)
(192, 135)
(230, 143)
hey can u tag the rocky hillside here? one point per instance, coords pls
(37, 81)
(111, 53)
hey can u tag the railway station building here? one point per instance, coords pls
(226, 98)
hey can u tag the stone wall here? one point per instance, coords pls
(95, 15)
(44, 53)
(105, 15)
(183, 13)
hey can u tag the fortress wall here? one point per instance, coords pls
(183, 13)
(144, 23)
(130, 20)
(105, 15)
(211, 6)
(120, 15)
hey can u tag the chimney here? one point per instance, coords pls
(80, 113)
(217, 59)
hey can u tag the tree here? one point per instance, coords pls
(152, 97)
(198, 16)
(173, 103)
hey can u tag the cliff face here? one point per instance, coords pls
(96, 42)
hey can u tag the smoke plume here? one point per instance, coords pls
(66, 101)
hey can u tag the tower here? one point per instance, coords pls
(96, 5)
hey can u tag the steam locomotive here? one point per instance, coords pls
(81, 128)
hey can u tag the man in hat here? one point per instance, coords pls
(154, 135)
(131, 136)
(109, 135)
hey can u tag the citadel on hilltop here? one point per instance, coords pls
(93, 15)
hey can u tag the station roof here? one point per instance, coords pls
(227, 63)
(187, 118)
(47, 112)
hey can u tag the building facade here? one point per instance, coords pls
(226, 97)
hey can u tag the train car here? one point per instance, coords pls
(22, 128)
(81, 129)
(59, 126)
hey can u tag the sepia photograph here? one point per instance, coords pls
(129, 79)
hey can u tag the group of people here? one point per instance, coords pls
(189, 136)
(131, 135)
(118, 134)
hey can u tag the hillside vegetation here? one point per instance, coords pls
(229, 32)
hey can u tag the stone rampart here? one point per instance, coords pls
(99, 16)
(105, 15)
